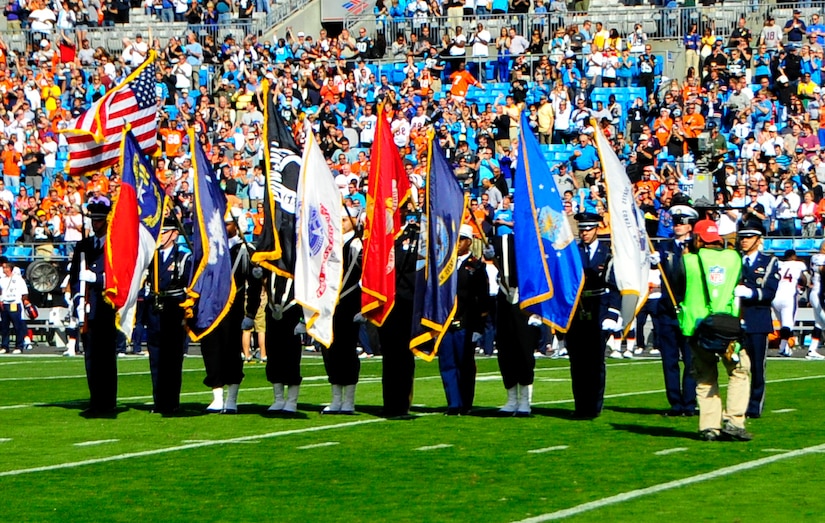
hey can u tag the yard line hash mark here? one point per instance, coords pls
(435, 447)
(662, 487)
(319, 445)
(95, 442)
(782, 411)
(547, 449)
(665, 452)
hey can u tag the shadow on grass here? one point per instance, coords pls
(644, 411)
(653, 430)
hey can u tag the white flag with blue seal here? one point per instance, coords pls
(319, 246)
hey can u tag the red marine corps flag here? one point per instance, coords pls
(387, 192)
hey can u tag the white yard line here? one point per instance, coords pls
(782, 411)
(670, 485)
(435, 447)
(670, 451)
(547, 449)
(319, 445)
(178, 448)
(776, 450)
(95, 442)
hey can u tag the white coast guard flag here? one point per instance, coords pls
(319, 247)
(629, 241)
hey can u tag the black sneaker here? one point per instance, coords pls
(736, 433)
(708, 435)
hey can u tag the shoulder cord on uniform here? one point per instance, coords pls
(353, 262)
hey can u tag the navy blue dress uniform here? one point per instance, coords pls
(283, 346)
(165, 331)
(341, 359)
(398, 364)
(515, 337)
(456, 355)
(98, 333)
(221, 348)
(586, 340)
(760, 279)
(680, 386)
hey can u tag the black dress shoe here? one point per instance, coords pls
(673, 413)
(453, 412)
(753, 415)
(690, 413)
(584, 415)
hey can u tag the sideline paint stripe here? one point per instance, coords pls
(547, 449)
(670, 451)
(319, 445)
(177, 448)
(633, 494)
(96, 442)
(435, 447)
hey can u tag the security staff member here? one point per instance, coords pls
(221, 348)
(98, 333)
(598, 311)
(169, 273)
(760, 278)
(680, 386)
(283, 342)
(456, 355)
(341, 359)
(13, 294)
(516, 337)
(720, 269)
(398, 365)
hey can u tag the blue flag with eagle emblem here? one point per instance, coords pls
(212, 289)
(550, 275)
(435, 302)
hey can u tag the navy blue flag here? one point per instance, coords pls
(212, 288)
(550, 275)
(437, 278)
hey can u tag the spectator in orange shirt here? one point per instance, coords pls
(11, 165)
(461, 82)
(361, 167)
(694, 124)
(172, 139)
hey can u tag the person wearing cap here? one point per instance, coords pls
(341, 360)
(456, 355)
(168, 276)
(680, 386)
(720, 269)
(221, 347)
(595, 319)
(99, 335)
(795, 28)
(756, 291)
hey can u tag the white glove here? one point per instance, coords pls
(476, 337)
(277, 312)
(534, 320)
(87, 276)
(257, 272)
(655, 258)
(300, 329)
(611, 325)
(359, 318)
(742, 292)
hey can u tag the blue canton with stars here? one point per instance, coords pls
(144, 87)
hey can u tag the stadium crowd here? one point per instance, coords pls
(747, 108)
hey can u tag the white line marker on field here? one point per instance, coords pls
(665, 452)
(435, 447)
(196, 441)
(5, 440)
(661, 487)
(319, 445)
(547, 449)
(96, 442)
(775, 450)
(782, 411)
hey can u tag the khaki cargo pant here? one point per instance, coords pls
(706, 372)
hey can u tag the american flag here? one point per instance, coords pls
(94, 143)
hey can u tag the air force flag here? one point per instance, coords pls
(319, 247)
(550, 275)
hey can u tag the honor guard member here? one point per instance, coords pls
(169, 273)
(791, 278)
(283, 344)
(756, 291)
(221, 348)
(596, 317)
(680, 387)
(517, 333)
(720, 269)
(98, 332)
(398, 362)
(341, 359)
(817, 301)
(456, 355)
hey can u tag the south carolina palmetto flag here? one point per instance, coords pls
(629, 241)
(319, 245)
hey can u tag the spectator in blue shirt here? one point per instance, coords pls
(503, 218)
(583, 159)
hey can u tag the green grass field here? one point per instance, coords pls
(631, 464)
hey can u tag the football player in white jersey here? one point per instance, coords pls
(791, 274)
(815, 298)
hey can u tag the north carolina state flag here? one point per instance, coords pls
(388, 190)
